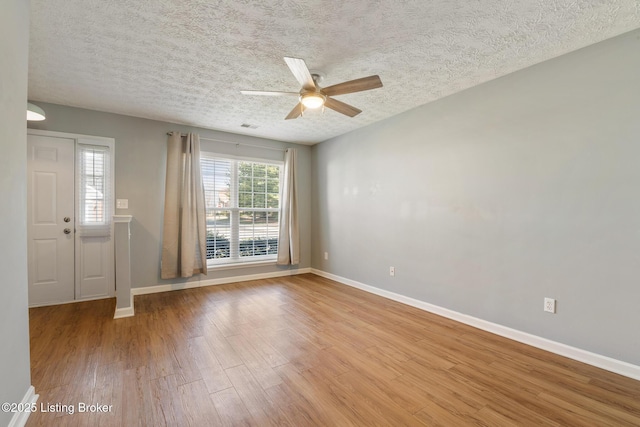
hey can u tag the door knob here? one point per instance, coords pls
(67, 231)
(67, 219)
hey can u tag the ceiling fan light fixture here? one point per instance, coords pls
(312, 100)
(34, 113)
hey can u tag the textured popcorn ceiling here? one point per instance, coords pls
(185, 61)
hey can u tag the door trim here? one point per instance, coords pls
(104, 139)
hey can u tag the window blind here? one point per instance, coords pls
(93, 182)
(242, 199)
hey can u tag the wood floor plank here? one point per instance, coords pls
(167, 408)
(504, 394)
(442, 388)
(212, 372)
(264, 347)
(231, 409)
(339, 401)
(434, 414)
(487, 416)
(304, 392)
(137, 403)
(160, 362)
(251, 393)
(258, 366)
(295, 409)
(372, 402)
(221, 347)
(107, 392)
(197, 405)
(303, 350)
(587, 409)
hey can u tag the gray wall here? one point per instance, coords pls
(491, 199)
(14, 321)
(140, 174)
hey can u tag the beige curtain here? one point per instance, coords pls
(184, 232)
(288, 238)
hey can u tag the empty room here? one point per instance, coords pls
(319, 213)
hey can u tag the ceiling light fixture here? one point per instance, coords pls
(312, 99)
(34, 113)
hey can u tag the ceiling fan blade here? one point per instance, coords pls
(299, 69)
(341, 107)
(296, 112)
(267, 93)
(357, 85)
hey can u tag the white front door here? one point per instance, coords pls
(68, 192)
(50, 228)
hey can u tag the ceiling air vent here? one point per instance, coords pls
(247, 125)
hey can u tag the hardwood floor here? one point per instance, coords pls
(299, 351)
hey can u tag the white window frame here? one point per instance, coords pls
(85, 226)
(234, 260)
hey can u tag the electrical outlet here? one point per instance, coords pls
(550, 305)
(326, 255)
(392, 271)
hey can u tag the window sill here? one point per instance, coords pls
(236, 265)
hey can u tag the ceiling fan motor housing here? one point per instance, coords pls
(317, 76)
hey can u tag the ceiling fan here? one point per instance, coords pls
(313, 96)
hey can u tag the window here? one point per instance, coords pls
(242, 199)
(94, 181)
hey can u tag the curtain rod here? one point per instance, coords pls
(234, 143)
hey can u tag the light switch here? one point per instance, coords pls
(122, 203)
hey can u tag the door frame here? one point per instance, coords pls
(109, 245)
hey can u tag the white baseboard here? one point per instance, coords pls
(125, 311)
(597, 360)
(213, 282)
(129, 311)
(75, 301)
(19, 419)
